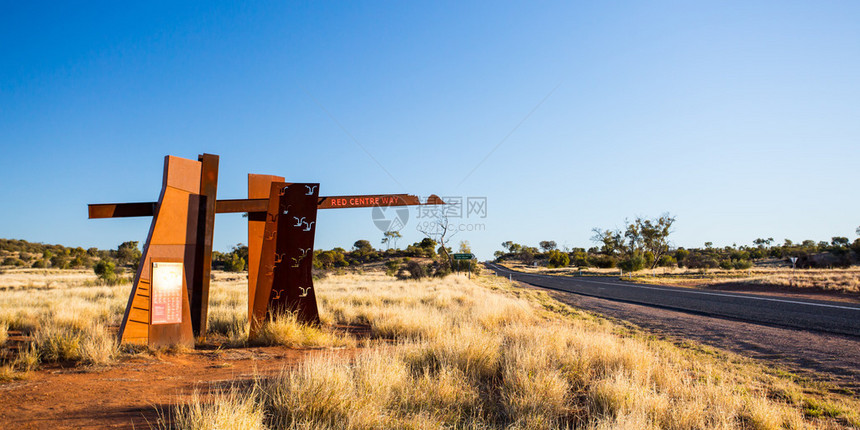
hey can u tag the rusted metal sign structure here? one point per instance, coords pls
(169, 300)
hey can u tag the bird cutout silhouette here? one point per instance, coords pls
(272, 217)
(311, 190)
(287, 210)
(283, 190)
(301, 257)
(271, 235)
(277, 296)
(299, 222)
(279, 258)
(304, 291)
(270, 270)
(308, 226)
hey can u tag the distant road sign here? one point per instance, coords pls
(463, 256)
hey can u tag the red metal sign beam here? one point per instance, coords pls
(122, 210)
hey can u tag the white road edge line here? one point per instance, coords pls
(699, 292)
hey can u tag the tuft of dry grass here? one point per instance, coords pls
(287, 331)
(234, 409)
(99, 347)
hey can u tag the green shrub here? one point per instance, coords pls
(604, 261)
(668, 261)
(59, 262)
(742, 264)
(391, 266)
(580, 259)
(105, 271)
(680, 255)
(633, 263)
(412, 270)
(12, 261)
(558, 259)
(234, 264)
(649, 259)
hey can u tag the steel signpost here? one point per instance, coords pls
(463, 256)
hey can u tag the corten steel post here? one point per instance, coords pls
(205, 232)
(258, 188)
(172, 238)
(284, 282)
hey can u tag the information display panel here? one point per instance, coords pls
(167, 292)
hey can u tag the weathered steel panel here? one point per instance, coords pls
(172, 237)
(258, 189)
(284, 281)
(205, 234)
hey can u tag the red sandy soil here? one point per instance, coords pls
(131, 393)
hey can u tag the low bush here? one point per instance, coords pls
(412, 270)
(633, 263)
(558, 259)
(105, 270)
(742, 264)
(604, 261)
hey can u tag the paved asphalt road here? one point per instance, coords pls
(820, 315)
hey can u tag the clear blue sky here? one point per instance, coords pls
(740, 118)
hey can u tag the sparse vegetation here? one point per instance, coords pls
(644, 244)
(20, 253)
(458, 354)
(64, 315)
(439, 353)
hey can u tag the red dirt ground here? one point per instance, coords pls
(129, 395)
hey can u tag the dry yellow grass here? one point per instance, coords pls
(66, 313)
(235, 408)
(837, 280)
(450, 353)
(455, 353)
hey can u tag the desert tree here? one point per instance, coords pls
(390, 238)
(440, 231)
(642, 237)
(512, 247)
(655, 235)
(465, 247)
(839, 241)
(612, 241)
(127, 254)
(362, 245)
(548, 245)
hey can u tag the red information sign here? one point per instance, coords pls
(166, 293)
